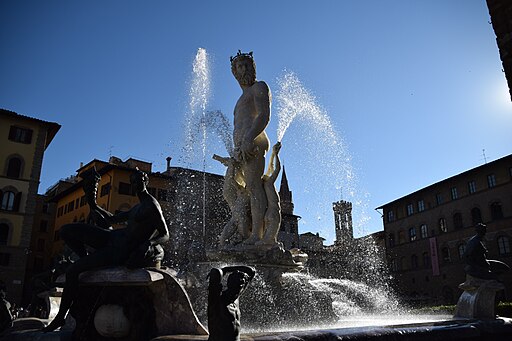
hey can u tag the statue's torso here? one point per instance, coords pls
(246, 113)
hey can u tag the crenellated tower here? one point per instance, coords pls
(343, 221)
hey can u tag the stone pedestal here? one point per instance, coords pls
(269, 257)
(122, 304)
(478, 298)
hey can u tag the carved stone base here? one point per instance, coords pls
(261, 255)
(146, 302)
(478, 298)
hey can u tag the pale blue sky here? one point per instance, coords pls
(413, 88)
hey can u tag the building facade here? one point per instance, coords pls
(191, 201)
(426, 231)
(501, 20)
(24, 140)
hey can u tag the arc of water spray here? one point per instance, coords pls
(295, 101)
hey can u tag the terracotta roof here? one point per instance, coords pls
(53, 127)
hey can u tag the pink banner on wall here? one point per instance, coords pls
(433, 256)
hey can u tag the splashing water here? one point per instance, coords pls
(218, 122)
(324, 154)
(294, 100)
(198, 100)
(302, 301)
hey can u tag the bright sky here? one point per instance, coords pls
(413, 89)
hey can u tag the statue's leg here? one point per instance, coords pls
(77, 235)
(227, 232)
(253, 171)
(272, 224)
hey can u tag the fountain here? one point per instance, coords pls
(292, 297)
(281, 297)
(285, 300)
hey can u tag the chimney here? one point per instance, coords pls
(168, 162)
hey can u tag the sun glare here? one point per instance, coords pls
(501, 96)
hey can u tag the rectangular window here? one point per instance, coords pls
(125, 188)
(43, 226)
(391, 216)
(472, 187)
(410, 209)
(4, 258)
(20, 135)
(453, 192)
(60, 211)
(412, 234)
(105, 190)
(421, 206)
(77, 202)
(424, 231)
(45, 208)
(491, 180)
(71, 206)
(439, 198)
(83, 201)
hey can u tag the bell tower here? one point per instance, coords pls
(343, 221)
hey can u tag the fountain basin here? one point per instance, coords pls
(449, 329)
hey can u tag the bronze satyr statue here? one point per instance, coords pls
(146, 229)
(475, 257)
(223, 306)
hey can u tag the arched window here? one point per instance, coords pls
(8, 201)
(412, 234)
(476, 216)
(4, 233)
(442, 225)
(461, 249)
(496, 211)
(14, 168)
(424, 231)
(504, 245)
(457, 220)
